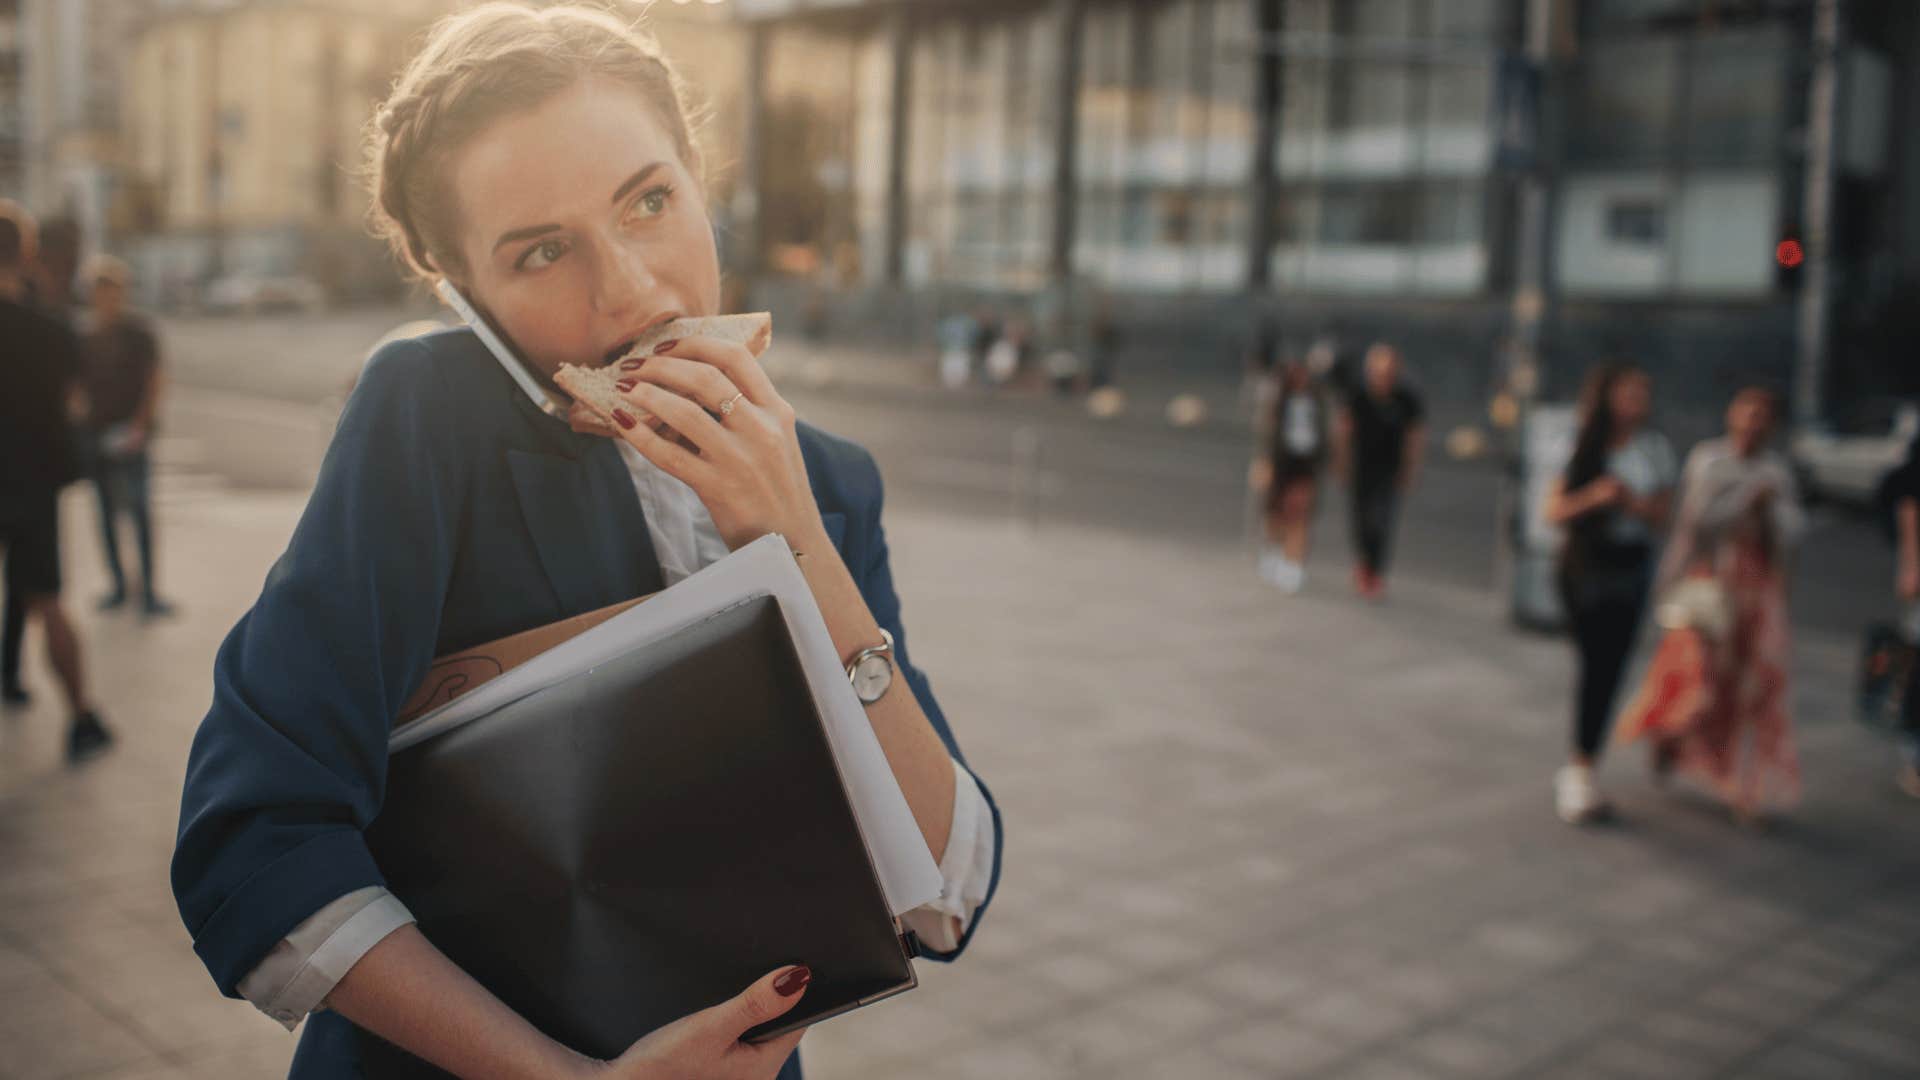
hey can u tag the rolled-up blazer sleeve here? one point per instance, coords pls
(289, 766)
(876, 587)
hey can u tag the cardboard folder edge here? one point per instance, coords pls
(462, 672)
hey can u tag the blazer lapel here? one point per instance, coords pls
(589, 531)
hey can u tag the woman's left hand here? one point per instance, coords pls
(743, 459)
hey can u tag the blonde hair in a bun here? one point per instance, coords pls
(475, 67)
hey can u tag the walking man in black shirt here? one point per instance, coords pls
(39, 364)
(122, 379)
(1379, 441)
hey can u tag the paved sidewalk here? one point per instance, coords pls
(1249, 836)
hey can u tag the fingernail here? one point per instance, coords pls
(793, 981)
(665, 346)
(633, 364)
(624, 418)
(625, 385)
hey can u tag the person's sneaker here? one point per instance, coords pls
(155, 608)
(1576, 798)
(1293, 576)
(15, 696)
(113, 601)
(87, 738)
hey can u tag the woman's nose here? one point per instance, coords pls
(623, 280)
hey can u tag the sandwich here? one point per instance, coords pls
(594, 387)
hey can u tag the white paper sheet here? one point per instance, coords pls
(765, 567)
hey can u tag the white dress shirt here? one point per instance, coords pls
(298, 973)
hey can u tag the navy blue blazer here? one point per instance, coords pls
(449, 511)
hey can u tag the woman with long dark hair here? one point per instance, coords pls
(1298, 434)
(1612, 500)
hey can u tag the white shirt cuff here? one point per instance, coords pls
(298, 973)
(966, 869)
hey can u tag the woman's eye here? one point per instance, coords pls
(653, 201)
(542, 254)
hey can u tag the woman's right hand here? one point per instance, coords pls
(707, 1046)
(1605, 491)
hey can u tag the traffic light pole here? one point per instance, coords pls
(1816, 240)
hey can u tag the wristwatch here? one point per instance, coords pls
(871, 670)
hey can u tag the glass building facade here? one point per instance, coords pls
(1671, 139)
(1381, 153)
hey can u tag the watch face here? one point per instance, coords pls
(871, 678)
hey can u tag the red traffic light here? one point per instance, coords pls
(1789, 254)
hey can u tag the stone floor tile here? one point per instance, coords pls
(1280, 1048)
(1465, 1051)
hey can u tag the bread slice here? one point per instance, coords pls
(594, 386)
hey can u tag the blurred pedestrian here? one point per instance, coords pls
(1612, 500)
(1379, 443)
(38, 372)
(49, 289)
(1297, 449)
(121, 365)
(1103, 343)
(1900, 493)
(956, 334)
(1715, 701)
(1007, 356)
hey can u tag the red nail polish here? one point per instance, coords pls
(625, 385)
(793, 981)
(665, 346)
(633, 364)
(624, 418)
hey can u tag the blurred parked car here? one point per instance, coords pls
(250, 295)
(1843, 460)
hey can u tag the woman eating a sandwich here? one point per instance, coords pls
(542, 163)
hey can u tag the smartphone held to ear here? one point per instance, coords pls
(549, 402)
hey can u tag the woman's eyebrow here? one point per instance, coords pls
(527, 233)
(639, 177)
(635, 180)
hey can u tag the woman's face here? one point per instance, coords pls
(1749, 420)
(581, 227)
(1630, 398)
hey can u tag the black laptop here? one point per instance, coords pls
(643, 840)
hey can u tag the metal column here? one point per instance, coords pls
(1823, 101)
(1266, 131)
(1072, 16)
(899, 131)
(747, 195)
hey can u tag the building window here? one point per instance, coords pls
(823, 206)
(1384, 145)
(980, 158)
(1672, 187)
(1166, 133)
(1637, 221)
